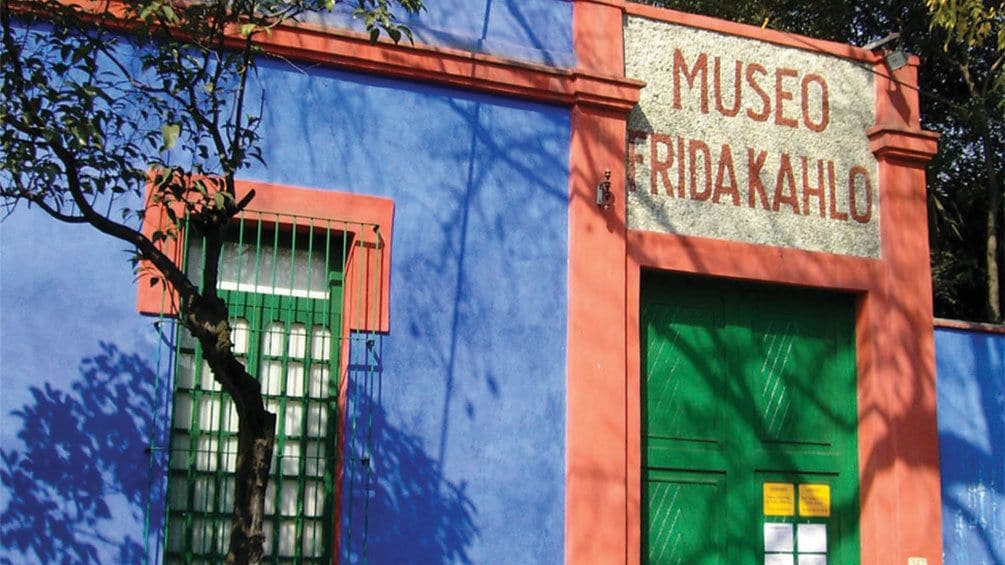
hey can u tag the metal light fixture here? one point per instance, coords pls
(604, 196)
(894, 57)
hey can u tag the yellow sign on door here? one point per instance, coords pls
(815, 500)
(779, 499)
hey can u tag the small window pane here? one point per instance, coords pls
(298, 341)
(295, 380)
(294, 419)
(185, 371)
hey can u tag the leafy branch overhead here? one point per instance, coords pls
(107, 99)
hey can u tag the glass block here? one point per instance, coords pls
(319, 381)
(295, 379)
(297, 341)
(179, 451)
(288, 498)
(314, 463)
(182, 410)
(205, 456)
(203, 494)
(291, 458)
(230, 420)
(179, 492)
(313, 539)
(207, 382)
(287, 538)
(176, 534)
(225, 496)
(267, 529)
(270, 498)
(293, 419)
(317, 418)
(320, 343)
(184, 375)
(272, 377)
(239, 335)
(272, 343)
(229, 456)
(209, 413)
(314, 499)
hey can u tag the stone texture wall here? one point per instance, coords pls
(788, 164)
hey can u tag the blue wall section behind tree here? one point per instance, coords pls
(971, 413)
(79, 398)
(465, 396)
(472, 374)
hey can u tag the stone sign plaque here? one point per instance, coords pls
(744, 140)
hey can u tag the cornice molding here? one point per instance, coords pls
(908, 145)
(452, 67)
(343, 49)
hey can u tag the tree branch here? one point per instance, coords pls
(143, 245)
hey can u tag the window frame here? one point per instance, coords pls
(367, 224)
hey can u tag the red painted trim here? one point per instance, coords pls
(903, 144)
(346, 213)
(451, 67)
(753, 32)
(895, 360)
(596, 491)
(743, 261)
(969, 326)
(898, 436)
(439, 65)
(598, 37)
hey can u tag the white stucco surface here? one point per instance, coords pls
(650, 49)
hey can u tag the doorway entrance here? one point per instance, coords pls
(749, 424)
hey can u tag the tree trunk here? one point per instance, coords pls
(256, 439)
(994, 205)
(207, 318)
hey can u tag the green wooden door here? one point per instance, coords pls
(749, 424)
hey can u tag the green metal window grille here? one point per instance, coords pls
(284, 289)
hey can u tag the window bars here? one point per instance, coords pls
(292, 285)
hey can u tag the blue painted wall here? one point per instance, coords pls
(464, 400)
(471, 378)
(538, 31)
(971, 413)
(78, 398)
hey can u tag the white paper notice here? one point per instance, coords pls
(812, 539)
(812, 559)
(778, 537)
(778, 559)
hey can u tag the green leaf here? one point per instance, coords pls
(169, 135)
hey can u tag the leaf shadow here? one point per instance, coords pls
(83, 470)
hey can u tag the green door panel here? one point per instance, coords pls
(682, 405)
(745, 384)
(677, 505)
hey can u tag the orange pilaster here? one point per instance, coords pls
(596, 424)
(898, 437)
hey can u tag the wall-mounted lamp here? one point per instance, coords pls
(604, 196)
(895, 57)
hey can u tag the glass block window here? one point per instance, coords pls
(284, 292)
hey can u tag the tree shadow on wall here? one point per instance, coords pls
(397, 506)
(80, 484)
